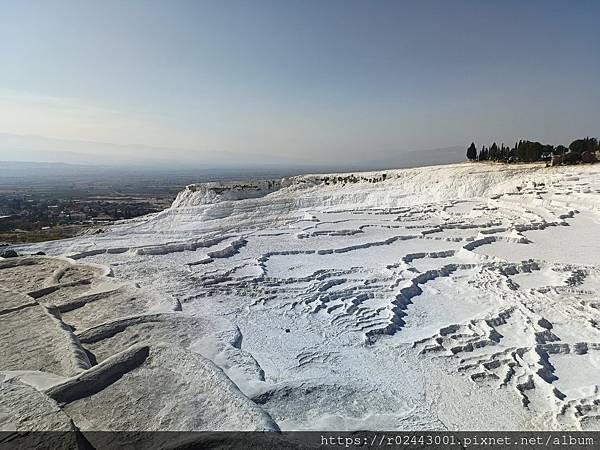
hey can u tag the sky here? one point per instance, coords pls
(291, 82)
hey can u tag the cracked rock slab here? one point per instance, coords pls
(33, 338)
(157, 388)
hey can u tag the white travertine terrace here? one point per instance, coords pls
(401, 299)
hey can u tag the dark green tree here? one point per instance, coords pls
(528, 151)
(472, 151)
(483, 154)
(587, 144)
(494, 152)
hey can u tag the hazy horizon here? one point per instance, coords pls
(34, 149)
(291, 84)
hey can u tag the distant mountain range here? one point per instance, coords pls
(72, 155)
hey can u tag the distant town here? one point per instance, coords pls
(40, 202)
(43, 201)
(27, 217)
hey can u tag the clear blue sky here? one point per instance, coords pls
(299, 80)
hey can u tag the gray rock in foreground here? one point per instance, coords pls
(134, 372)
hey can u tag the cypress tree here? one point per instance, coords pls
(472, 152)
